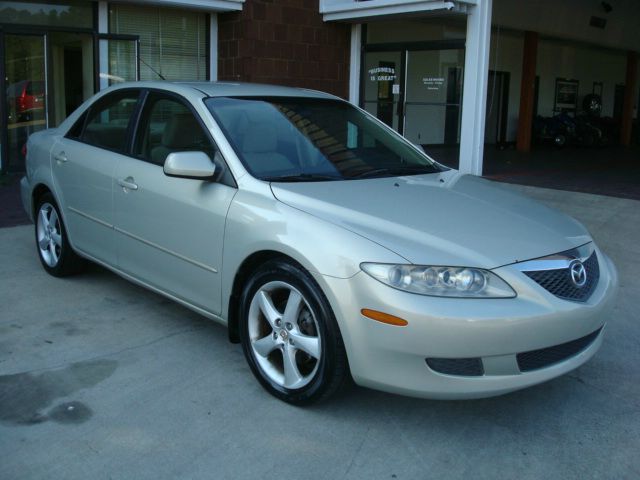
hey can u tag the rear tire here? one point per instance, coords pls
(55, 252)
(290, 336)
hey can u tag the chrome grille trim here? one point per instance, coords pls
(557, 280)
(557, 261)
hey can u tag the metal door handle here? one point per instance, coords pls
(128, 183)
(60, 158)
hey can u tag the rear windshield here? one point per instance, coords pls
(307, 139)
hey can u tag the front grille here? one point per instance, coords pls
(545, 357)
(466, 367)
(559, 282)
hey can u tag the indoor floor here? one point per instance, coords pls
(612, 171)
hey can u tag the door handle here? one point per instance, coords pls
(60, 157)
(128, 183)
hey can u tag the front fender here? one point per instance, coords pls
(257, 222)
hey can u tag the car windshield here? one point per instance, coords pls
(292, 139)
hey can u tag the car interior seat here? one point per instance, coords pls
(182, 133)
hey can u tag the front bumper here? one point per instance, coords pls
(393, 358)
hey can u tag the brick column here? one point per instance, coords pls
(630, 87)
(525, 116)
(277, 43)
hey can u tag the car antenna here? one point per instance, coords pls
(152, 69)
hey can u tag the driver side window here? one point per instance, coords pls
(168, 126)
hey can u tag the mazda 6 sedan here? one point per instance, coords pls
(329, 245)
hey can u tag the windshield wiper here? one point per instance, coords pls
(396, 171)
(302, 177)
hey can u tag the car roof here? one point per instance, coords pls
(221, 89)
(227, 89)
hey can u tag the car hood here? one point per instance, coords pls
(445, 218)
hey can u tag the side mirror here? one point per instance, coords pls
(196, 165)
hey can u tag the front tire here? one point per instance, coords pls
(290, 336)
(55, 252)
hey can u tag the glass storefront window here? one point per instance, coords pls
(77, 14)
(173, 43)
(381, 79)
(26, 93)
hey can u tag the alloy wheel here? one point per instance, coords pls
(284, 335)
(49, 234)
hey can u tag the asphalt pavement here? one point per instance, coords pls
(101, 379)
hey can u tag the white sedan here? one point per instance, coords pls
(328, 244)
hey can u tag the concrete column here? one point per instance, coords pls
(474, 95)
(354, 64)
(103, 27)
(527, 91)
(630, 88)
(213, 47)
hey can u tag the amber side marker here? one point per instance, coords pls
(384, 318)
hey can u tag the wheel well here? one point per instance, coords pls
(247, 267)
(38, 191)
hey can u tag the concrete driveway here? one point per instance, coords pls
(101, 379)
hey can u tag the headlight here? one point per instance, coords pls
(441, 281)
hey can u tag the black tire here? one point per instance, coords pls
(330, 371)
(58, 259)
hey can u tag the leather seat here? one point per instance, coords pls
(182, 133)
(259, 149)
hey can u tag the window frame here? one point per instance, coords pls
(99, 104)
(150, 99)
(225, 177)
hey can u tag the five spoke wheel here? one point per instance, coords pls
(55, 252)
(284, 337)
(289, 333)
(49, 234)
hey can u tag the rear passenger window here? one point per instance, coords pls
(168, 126)
(109, 119)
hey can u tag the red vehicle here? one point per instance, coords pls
(26, 100)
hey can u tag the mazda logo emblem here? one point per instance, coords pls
(578, 273)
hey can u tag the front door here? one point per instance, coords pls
(433, 96)
(382, 78)
(416, 92)
(170, 230)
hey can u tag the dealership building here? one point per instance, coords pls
(460, 73)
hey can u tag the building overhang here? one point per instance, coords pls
(203, 5)
(357, 10)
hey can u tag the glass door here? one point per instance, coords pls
(71, 80)
(381, 86)
(25, 102)
(119, 59)
(433, 97)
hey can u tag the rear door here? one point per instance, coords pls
(170, 230)
(83, 165)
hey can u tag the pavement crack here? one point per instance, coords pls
(356, 453)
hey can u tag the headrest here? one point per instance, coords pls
(182, 131)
